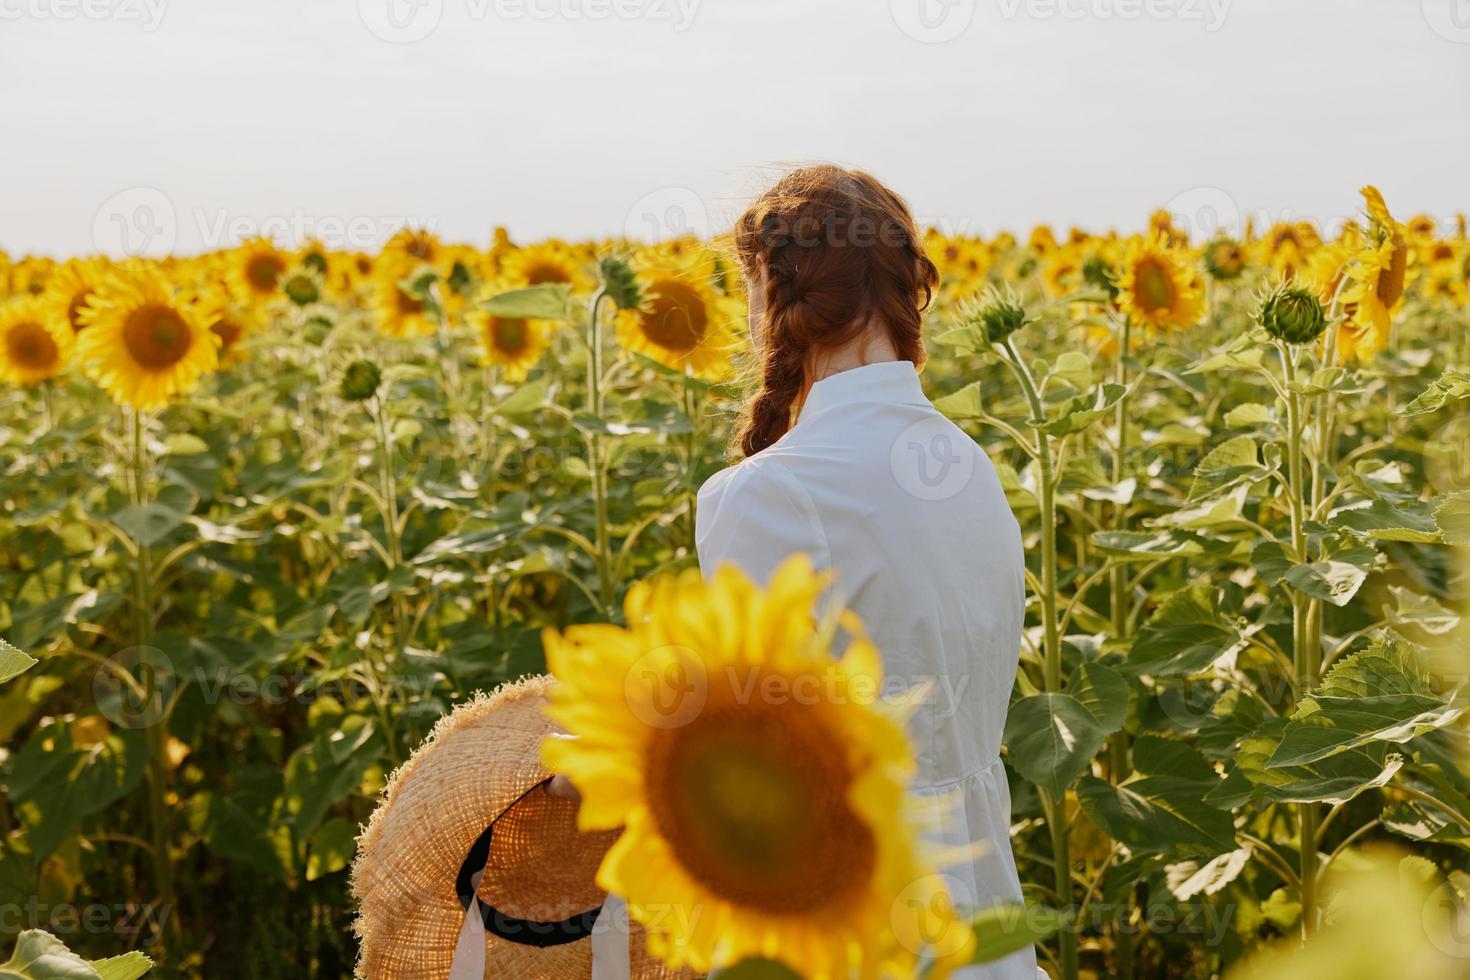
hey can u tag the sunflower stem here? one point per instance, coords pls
(157, 730)
(1052, 647)
(1119, 594)
(594, 451)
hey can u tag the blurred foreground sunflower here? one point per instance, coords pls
(399, 312)
(1158, 286)
(683, 322)
(777, 820)
(33, 346)
(141, 344)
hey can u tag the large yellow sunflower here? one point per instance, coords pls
(548, 261)
(230, 322)
(1380, 270)
(141, 344)
(761, 781)
(33, 345)
(69, 288)
(254, 270)
(1158, 285)
(683, 322)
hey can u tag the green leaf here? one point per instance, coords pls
(1009, 928)
(1451, 386)
(1146, 545)
(1186, 879)
(525, 400)
(1453, 518)
(547, 301)
(1073, 368)
(13, 662)
(128, 966)
(1376, 695)
(1082, 411)
(962, 404)
(1335, 779)
(1248, 415)
(1233, 462)
(1384, 521)
(331, 848)
(1335, 579)
(1051, 738)
(1163, 805)
(1185, 635)
(55, 783)
(39, 955)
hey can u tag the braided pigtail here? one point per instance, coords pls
(838, 254)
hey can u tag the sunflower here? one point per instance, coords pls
(548, 261)
(511, 343)
(230, 322)
(254, 270)
(963, 263)
(140, 343)
(778, 815)
(683, 322)
(414, 246)
(1380, 270)
(33, 345)
(1287, 245)
(399, 313)
(1158, 286)
(1446, 285)
(68, 290)
(1225, 259)
(1063, 271)
(1326, 268)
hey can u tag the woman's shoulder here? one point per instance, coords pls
(751, 478)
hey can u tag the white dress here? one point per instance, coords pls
(907, 512)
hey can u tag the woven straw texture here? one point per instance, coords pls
(480, 762)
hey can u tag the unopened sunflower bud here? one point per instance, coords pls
(1225, 259)
(360, 381)
(1293, 314)
(619, 282)
(996, 314)
(302, 287)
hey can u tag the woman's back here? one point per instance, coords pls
(907, 514)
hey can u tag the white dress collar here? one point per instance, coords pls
(891, 382)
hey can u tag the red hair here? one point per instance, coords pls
(840, 252)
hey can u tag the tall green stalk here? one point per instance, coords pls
(1118, 748)
(157, 728)
(1306, 622)
(602, 540)
(1055, 806)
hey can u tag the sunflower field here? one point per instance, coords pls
(268, 513)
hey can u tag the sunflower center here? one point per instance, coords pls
(31, 346)
(1391, 280)
(1153, 286)
(228, 332)
(510, 334)
(407, 305)
(420, 247)
(264, 271)
(539, 272)
(675, 317)
(753, 801)
(157, 336)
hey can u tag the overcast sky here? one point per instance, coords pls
(156, 124)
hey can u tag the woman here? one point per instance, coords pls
(896, 502)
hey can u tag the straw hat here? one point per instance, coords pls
(468, 815)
